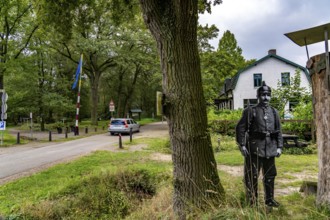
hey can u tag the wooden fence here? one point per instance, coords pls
(228, 127)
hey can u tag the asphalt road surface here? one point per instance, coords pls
(23, 160)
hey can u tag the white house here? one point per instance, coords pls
(272, 69)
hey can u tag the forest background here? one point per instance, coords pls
(39, 57)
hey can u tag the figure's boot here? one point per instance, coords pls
(269, 193)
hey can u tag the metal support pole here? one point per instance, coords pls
(306, 48)
(327, 69)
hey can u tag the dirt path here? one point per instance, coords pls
(237, 171)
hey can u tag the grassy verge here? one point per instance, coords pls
(8, 139)
(73, 182)
(130, 185)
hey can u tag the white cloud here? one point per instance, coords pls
(260, 25)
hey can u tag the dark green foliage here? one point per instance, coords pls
(223, 121)
(218, 65)
(300, 151)
(204, 34)
(290, 93)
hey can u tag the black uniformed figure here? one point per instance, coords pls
(259, 136)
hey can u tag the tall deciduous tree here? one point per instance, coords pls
(92, 29)
(16, 30)
(223, 63)
(174, 26)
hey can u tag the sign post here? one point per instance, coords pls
(4, 98)
(111, 107)
(31, 125)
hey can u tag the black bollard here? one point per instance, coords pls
(76, 131)
(102, 128)
(120, 142)
(95, 129)
(18, 138)
(50, 135)
(86, 130)
(130, 134)
(66, 132)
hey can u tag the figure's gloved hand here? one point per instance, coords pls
(279, 152)
(244, 151)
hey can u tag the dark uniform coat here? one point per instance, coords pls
(259, 130)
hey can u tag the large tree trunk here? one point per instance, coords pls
(94, 96)
(321, 101)
(173, 24)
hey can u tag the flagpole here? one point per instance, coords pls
(78, 99)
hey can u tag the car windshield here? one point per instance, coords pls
(117, 122)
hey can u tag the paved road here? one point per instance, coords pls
(23, 160)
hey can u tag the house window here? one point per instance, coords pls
(257, 78)
(285, 79)
(251, 101)
(292, 105)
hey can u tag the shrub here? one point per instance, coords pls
(303, 111)
(311, 149)
(223, 121)
(102, 196)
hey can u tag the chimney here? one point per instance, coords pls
(272, 52)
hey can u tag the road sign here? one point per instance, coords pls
(2, 125)
(111, 106)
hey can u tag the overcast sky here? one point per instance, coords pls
(260, 25)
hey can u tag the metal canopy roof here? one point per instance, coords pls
(310, 35)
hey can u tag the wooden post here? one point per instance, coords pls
(321, 105)
(313, 130)
(120, 141)
(18, 138)
(50, 135)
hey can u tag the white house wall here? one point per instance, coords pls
(271, 70)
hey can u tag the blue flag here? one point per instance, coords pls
(78, 71)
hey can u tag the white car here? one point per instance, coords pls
(123, 125)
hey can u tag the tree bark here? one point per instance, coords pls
(174, 26)
(95, 78)
(321, 104)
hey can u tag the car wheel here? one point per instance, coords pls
(111, 133)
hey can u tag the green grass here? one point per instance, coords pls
(161, 145)
(8, 139)
(145, 121)
(59, 179)
(96, 187)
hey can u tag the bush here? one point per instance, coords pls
(303, 111)
(311, 149)
(103, 196)
(223, 121)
